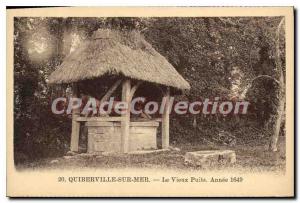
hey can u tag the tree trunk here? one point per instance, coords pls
(280, 110)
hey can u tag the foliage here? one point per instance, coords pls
(208, 52)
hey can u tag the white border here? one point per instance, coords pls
(5, 3)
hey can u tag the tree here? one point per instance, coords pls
(280, 78)
(217, 56)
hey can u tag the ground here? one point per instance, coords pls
(249, 158)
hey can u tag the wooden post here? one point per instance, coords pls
(165, 121)
(75, 123)
(126, 88)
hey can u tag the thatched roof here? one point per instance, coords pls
(117, 53)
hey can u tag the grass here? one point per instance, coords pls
(249, 158)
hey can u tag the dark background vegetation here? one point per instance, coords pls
(217, 56)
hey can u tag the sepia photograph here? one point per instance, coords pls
(176, 94)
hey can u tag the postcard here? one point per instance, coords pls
(150, 102)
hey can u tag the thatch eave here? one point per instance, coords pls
(126, 54)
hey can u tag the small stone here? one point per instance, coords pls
(210, 158)
(54, 161)
(68, 157)
(174, 149)
(71, 153)
(99, 157)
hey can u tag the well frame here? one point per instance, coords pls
(128, 90)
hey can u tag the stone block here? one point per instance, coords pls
(210, 158)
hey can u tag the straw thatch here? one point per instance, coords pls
(117, 53)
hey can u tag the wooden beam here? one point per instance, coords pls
(75, 125)
(104, 119)
(110, 91)
(126, 89)
(108, 94)
(165, 120)
(134, 88)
